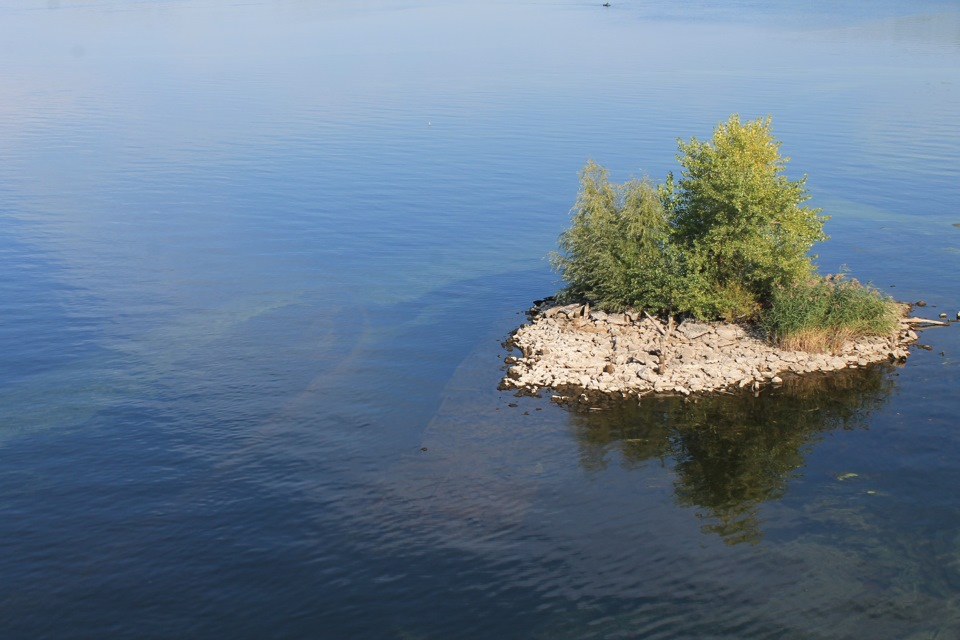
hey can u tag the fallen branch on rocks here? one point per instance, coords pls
(925, 321)
(664, 340)
(621, 355)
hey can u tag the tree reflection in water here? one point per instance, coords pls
(731, 453)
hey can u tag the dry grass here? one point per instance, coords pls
(816, 340)
(822, 313)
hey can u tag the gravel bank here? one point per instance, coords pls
(590, 354)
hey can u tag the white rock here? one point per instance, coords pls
(561, 346)
(727, 332)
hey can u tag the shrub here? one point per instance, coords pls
(614, 254)
(730, 239)
(740, 219)
(820, 314)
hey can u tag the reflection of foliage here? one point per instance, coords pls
(732, 453)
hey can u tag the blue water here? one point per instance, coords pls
(257, 260)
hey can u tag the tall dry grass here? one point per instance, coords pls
(821, 314)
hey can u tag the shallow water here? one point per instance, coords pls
(257, 260)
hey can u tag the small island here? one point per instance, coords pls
(701, 284)
(588, 356)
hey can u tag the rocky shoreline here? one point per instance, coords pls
(588, 356)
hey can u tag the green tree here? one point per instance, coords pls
(729, 239)
(614, 253)
(740, 223)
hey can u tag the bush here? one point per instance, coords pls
(820, 314)
(739, 218)
(730, 240)
(614, 254)
(713, 244)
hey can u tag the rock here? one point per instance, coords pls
(711, 371)
(731, 373)
(608, 355)
(572, 310)
(618, 319)
(920, 303)
(727, 332)
(685, 353)
(648, 375)
(693, 330)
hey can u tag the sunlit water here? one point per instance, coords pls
(256, 262)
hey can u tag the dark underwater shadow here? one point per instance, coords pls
(732, 453)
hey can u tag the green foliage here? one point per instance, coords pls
(739, 219)
(821, 313)
(615, 254)
(729, 239)
(714, 243)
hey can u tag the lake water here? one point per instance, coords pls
(257, 260)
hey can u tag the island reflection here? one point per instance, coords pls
(731, 453)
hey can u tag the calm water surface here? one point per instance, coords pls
(256, 262)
